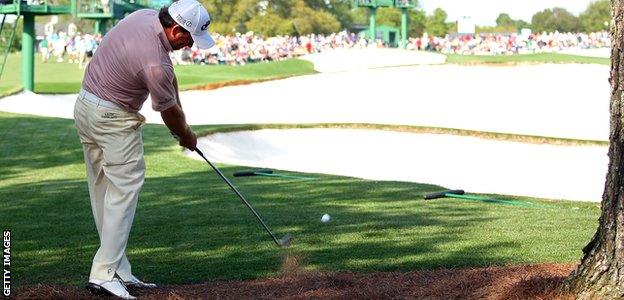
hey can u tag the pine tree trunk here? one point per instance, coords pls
(601, 272)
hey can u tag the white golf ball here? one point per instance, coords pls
(325, 218)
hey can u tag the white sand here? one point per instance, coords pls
(568, 101)
(473, 164)
(597, 52)
(26, 102)
(360, 59)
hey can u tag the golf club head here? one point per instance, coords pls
(244, 173)
(443, 194)
(285, 241)
(253, 172)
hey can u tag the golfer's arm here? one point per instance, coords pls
(175, 84)
(175, 120)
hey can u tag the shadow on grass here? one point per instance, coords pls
(191, 228)
(35, 143)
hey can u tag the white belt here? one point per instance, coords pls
(99, 101)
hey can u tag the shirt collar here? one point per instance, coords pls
(160, 31)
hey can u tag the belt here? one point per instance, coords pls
(99, 101)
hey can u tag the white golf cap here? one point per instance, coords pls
(191, 15)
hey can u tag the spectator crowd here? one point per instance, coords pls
(75, 47)
(498, 44)
(240, 49)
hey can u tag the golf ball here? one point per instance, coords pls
(325, 218)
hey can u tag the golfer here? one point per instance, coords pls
(131, 62)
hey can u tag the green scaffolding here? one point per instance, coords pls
(373, 5)
(102, 12)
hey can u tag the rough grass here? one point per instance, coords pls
(191, 228)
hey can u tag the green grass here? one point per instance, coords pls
(540, 58)
(189, 227)
(64, 78)
(193, 76)
(51, 77)
(498, 136)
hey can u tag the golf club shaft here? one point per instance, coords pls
(490, 200)
(239, 196)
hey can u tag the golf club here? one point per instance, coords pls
(268, 173)
(447, 193)
(284, 241)
(252, 172)
(459, 194)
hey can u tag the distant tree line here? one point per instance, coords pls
(596, 17)
(299, 17)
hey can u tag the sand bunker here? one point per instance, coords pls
(596, 52)
(568, 101)
(342, 60)
(473, 164)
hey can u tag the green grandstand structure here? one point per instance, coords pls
(103, 12)
(373, 5)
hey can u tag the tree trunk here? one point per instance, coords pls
(601, 272)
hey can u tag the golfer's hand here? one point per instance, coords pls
(189, 139)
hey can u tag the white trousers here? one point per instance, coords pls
(113, 153)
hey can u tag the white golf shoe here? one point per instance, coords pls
(136, 283)
(113, 288)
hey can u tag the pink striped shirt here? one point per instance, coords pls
(133, 61)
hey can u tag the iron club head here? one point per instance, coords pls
(285, 241)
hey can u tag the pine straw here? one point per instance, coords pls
(514, 282)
